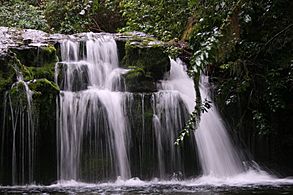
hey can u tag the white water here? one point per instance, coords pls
(179, 81)
(240, 180)
(217, 154)
(219, 158)
(90, 112)
(98, 110)
(168, 118)
(202, 185)
(94, 136)
(93, 116)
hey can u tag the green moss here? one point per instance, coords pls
(49, 51)
(18, 94)
(36, 62)
(18, 88)
(26, 72)
(135, 73)
(36, 56)
(44, 87)
(5, 81)
(137, 80)
(7, 72)
(41, 72)
(148, 115)
(152, 59)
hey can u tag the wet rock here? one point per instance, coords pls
(7, 73)
(152, 60)
(137, 80)
(44, 86)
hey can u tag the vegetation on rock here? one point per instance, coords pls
(7, 73)
(151, 59)
(137, 80)
(38, 62)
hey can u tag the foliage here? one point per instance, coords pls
(107, 17)
(164, 19)
(247, 48)
(22, 14)
(194, 119)
(72, 16)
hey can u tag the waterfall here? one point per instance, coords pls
(169, 116)
(97, 127)
(20, 141)
(92, 125)
(105, 132)
(180, 82)
(217, 154)
(171, 108)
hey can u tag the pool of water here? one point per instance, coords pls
(203, 185)
(150, 189)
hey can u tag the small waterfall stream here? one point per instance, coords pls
(18, 117)
(218, 156)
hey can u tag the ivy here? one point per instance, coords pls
(261, 123)
(193, 120)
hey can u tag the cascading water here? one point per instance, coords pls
(94, 129)
(218, 156)
(169, 116)
(102, 135)
(92, 125)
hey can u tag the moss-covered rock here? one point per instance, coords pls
(137, 80)
(148, 63)
(120, 49)
(40, 72)
(151, 58)
(36, 56)
(37, 62)
(44, 87)
(18, 94)
(45, 98)
(7, 73)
